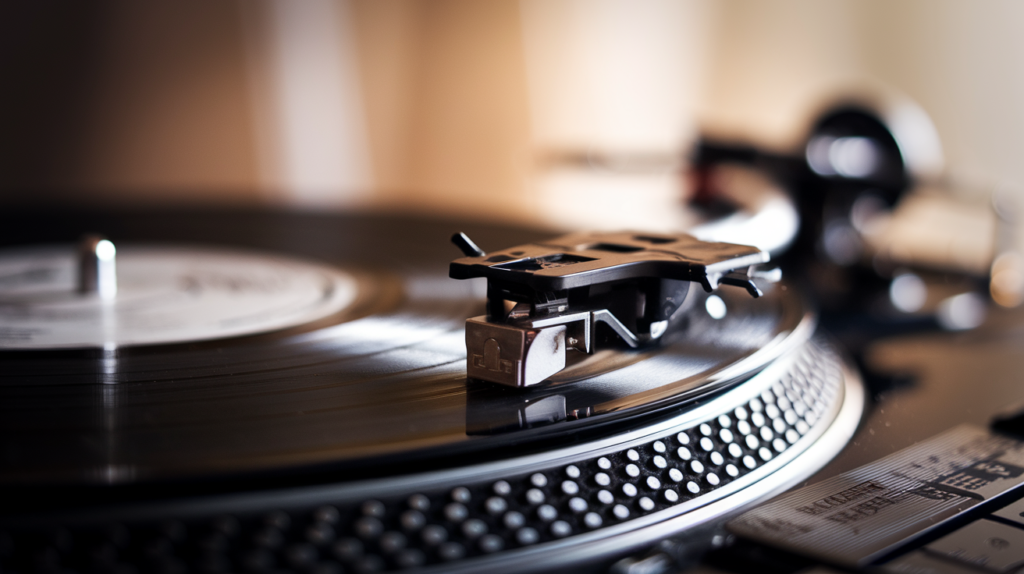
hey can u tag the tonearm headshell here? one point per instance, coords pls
(546, 298)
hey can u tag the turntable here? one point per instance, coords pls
(194, 428)
(258, 391)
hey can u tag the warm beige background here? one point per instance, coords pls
(459, 105)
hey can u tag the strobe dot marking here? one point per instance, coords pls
(455, 512)
(653, 483)
(433, 535)
(527, 536)
(577, 504)
(725, 435)
(374, 508)
(605, 497)
(659, 447)
(317, 534)
(534, 496)
(735, 450)
(629, 489)
(572, 471)
(683, 438)
(620, 512)
(792, 436)
(513, 519)
(696, 466)
(569, 487)
(779, 445)
(451, 551)
(693, 487)
(602, 479)
(604, 464)
(684, 453)
(592, 520)
(712, 479)
(707, 444)
(705, 429)
(491, 543)
(632, 455)
(740, 413)
(501, 488)
(560, 529)
(743, 427)
(392, 542)
(460, 494)
(675, 475)
(752, 442)
(539, 480)
(348, 549)
(646, 504)
(659, 461)
(412, 520)
(731, 470)
(716, 458)
(779, 425)
(790, 417)
(724, 421)
(632, 470)
(765, 454)
(749, 462)
(547, 513)
(327, 514)
(766, 434)
(495, 505)
(419, 502)
(671, 496)
(369, 527)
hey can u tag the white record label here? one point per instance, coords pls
(164, 295)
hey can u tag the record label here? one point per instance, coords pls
(165, 295)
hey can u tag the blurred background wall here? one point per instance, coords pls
(507, 109)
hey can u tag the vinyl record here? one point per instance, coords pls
(378, 374)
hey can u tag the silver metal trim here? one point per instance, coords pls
(842, 398)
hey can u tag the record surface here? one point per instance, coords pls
(378, 384)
